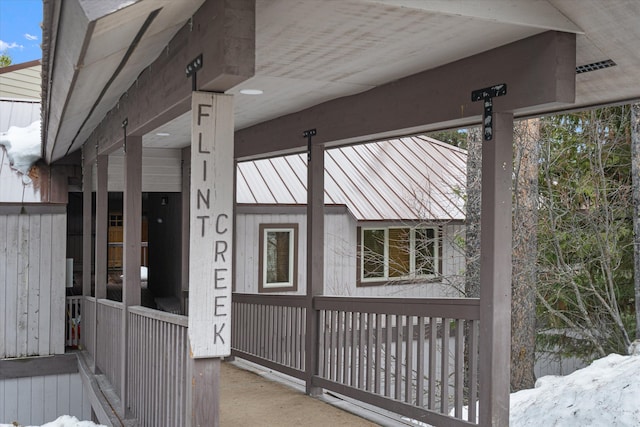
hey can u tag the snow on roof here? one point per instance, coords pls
(401, 179)
(20, 148)
(23, 147)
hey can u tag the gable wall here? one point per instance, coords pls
(32, 280)
(340, 258)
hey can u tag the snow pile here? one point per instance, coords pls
(64, 421)
(23, 147)
(606, 393)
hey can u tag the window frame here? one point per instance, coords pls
(292, 284)
(411, 277)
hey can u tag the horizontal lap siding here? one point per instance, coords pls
(32, 270)
(41, 399)
(161, 170)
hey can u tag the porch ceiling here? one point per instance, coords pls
(309, 52)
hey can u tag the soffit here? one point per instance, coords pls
(309, 52)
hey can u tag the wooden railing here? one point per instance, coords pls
(88, 326)
(109, 358)
(157, 365)
(404, 355)
(415, 357)
(270, 330)
(73, 317)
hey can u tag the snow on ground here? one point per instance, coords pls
(63, 421)
(605, 393)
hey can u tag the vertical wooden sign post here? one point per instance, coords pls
(210, 250)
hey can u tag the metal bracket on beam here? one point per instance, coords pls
(125, 123)
(192, 70)
(309, 134)
(487, 94)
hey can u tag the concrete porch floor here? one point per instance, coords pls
(254, 396)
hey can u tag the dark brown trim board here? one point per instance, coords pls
(38, 366)
(294, 284)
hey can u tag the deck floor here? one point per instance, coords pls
(251, 399)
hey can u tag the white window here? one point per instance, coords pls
(399, 253)
(278, 257)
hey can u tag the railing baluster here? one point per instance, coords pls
(354, 349)
(378, 367)
(408, 392)
(420, 364)
(361, 350)
(370, 352)
(473, 370)
(398, 353)
(444, 369)
(433, 340)
(459, 368)
(387, 355)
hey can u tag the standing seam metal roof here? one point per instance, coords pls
(411, 178)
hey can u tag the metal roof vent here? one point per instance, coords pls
(595, 66)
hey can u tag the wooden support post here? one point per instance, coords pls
(87, 223)
(184, 270)
(102, 213)
(132, 201)
(205, 392)
(210, 251)
(495, 273)
(315, 259)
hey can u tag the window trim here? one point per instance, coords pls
(292, 285)
(409, 279)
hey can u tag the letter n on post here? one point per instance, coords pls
(211, 224)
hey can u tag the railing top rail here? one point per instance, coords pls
(90, 299)
(110, 303)
(74, 297)
(451, 308)
(162, 316)
(278, 300)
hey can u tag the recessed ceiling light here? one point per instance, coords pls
(251, 92)
(163, 134)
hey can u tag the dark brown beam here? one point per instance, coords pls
(223, 31)
(38, 366)
(539, 70)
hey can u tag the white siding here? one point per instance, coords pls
(24, 83)
(247, 249)
(340, 254)
(32, 273)
(37, 400)
(340, 258)
(161, 170)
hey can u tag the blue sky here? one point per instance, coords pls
(20, 33)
